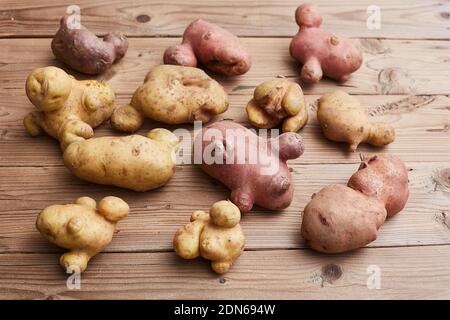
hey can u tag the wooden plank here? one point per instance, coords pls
(421, 123)
(399, 19)
(390, 66)
(156, 215)
(405, 273)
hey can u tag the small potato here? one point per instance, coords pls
(276, 101)
(343, 119)
(225, 214)
(67, 109)
(172, 95)
(321, 53)
(216, 236)
(133, 162)
(79, 48)
(82, 228)
(211, 46)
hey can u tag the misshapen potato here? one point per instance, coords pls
(68, 109)
(216, 236)
(341, 218)
(253, 168)
(343, 119)
(134, 162)
(385, 178)
(322, 53)
(212, 46)
(173, 95)
(81, 227)
(79, 48)
(277, 101)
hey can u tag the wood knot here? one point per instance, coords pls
(331, 272)
(445, 15)
(143, 18)
(374, 46)
(222, 280)
(442, 178)
(395, 81)
(443, 218)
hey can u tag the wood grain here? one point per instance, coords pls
(405, 273)
(421, 123)
(403, 81)
(156, 215)
(390, 66)
(415, 19)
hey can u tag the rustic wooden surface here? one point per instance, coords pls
(404, 81)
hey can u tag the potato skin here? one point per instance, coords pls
(321, 53)
(133, 162)
(172, 95)
(249, 183)
(276, 101)
(216, 236)
(343, 119)
(212, 46)
(83, 51)
(341, 218)
(81, 227)
(67, 109)
(385, 178)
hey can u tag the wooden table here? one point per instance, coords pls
(405, 80)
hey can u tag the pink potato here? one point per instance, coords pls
(82, 50)
(212, 46)
(263, 180)
(321, 53)
(340, 218)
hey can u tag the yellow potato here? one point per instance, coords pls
(82, 228)
(68, 109)
(343, 119)
(276, 101)
(134, 162)
(174, 95)
(216, 236)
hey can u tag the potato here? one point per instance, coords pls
(385, 178)
(276, 101)
(340, 218)
(237, 157)
(216, 236)
(343, 119)
(321, 53)
(212, 46)
(79, 48)
(68, 109)
(82, 228)
(134, 162)
(172, 95)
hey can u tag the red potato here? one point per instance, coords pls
(385, 178)
(321, 53)
(82, 50)
(212, 46)
(264, 180)
(341, 218)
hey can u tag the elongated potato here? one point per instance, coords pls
(134, 162)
